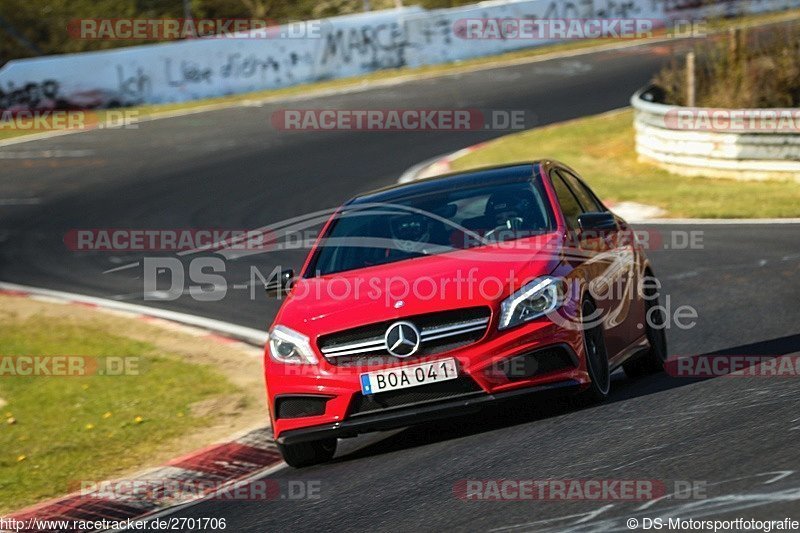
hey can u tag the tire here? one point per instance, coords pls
(596, 359)
(303, 454)
(653, 360)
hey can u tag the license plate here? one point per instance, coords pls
(408, 376)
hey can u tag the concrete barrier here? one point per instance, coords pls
(345, 46)
(749, 144)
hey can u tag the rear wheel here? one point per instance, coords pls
(310, 453)
(654, 359)
(596, 356)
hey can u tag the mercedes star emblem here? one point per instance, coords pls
(402, 339)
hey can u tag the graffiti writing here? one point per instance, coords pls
(590, 9)
(133, 88)
(379, 46)
(238, 66)
(186, 72)
(31, 95)
(439, 30)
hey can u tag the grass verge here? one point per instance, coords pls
(57, 431)
(391, 75)
(601, 148)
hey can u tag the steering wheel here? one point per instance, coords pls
(511, 224)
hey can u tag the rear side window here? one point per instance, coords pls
(585, 196)
(569, 204)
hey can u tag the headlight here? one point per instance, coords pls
(288, 346)
(533, 300)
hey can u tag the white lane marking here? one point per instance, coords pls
(49, 300)
(696, 509)
(714, 221)
(582, 517)
(645, 458)
(567, 68)
(123, 267)
(38, 136)
(250, 335)
(779, 475)
(684, 275)
(411, 173)
(595, 513)
(46, 154)
(782, 474)
(19, 201)
(166, 295)
(758, 264)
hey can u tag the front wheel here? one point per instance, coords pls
(654, 359)
(594, 348)
(310, 453)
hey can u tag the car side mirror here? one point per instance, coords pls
(597, 224)
(279, 284)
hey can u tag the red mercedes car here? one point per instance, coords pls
(434, 298)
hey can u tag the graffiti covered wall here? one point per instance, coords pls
(344, 46)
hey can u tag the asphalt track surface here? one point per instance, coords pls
(738, 438)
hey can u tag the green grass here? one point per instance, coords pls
(51, 446)
(601, 149)
(425, 71)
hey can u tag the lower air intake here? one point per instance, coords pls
(300, 406)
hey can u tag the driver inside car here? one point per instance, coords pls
(509, 214)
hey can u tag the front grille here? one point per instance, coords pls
(300, 406)
(439, 332)
(444, 390)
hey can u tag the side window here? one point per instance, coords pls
(569, 204)
(585, 196)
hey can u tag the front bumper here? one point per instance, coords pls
(407, 416)
(340, 386)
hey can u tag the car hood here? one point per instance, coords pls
(463, 278)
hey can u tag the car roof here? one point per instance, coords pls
(514, 173)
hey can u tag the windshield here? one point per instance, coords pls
(366, 235)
